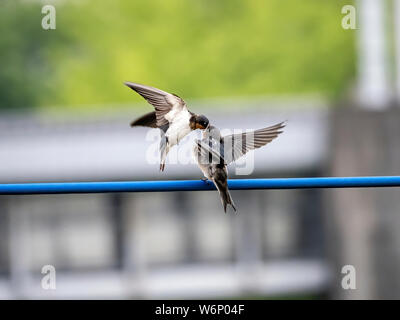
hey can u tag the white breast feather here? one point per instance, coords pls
(179, 127)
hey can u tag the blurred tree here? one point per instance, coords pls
(25, 73)
(193, 48)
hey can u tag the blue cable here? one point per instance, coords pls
(197, 185)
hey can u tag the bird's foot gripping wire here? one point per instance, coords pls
(204, 179)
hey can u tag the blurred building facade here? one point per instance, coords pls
(162, 245)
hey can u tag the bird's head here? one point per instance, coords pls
(199, 122)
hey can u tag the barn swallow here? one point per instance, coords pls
(171, 116)
(213, 153)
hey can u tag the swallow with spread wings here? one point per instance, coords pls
(171, 116)
(213, 153)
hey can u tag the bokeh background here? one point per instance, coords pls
(65, 113)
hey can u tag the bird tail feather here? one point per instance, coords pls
(224, 194)
(147, 120)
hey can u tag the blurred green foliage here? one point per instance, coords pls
(25, 50)
(194, 48)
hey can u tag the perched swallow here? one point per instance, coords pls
(213, 153)
(171, 115)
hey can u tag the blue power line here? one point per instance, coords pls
(197, 185)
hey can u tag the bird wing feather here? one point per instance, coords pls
(237, 145)
(166, 105)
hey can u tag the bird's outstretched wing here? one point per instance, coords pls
(235, 146)
(166, 104)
